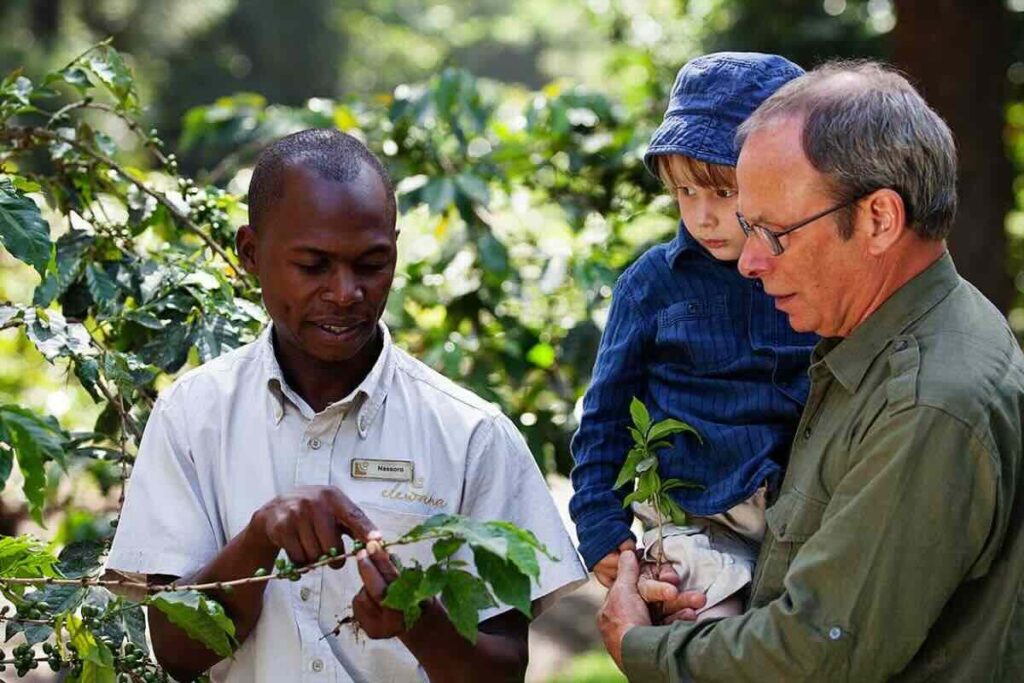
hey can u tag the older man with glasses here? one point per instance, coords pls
(896, 545)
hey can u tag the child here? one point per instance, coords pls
(694, 340)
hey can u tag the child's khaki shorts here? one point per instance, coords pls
(714, 555)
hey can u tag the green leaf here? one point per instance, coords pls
(24, 557)
(33, 633)
(109, 68)
(641, 418)
(464, 595)
(103, 288)
(628, 472)
(542, 355)
(6, 466)
(438, 194)
(135, 627)
(201, 618)
(35, 440)
(71, 247)
(87, 370)
(473, 187)
(647, 487)
(54, 337)
(669, 427)
(402, 594)
(23, 231)
(522, 547)
(646, 464)
(446, 547)
(493, 254)
(81, 558)
(506, 580)
(670, 484)
(676, 513)
(216, 336)
(169, 351)
(76, 77)
(97, 659)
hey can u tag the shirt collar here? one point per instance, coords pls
(368, 397)
(848, 359)
(684, 242)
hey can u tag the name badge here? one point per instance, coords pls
(388, 470)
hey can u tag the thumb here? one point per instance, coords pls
(629, 568)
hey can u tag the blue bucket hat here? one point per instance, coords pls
(711, 97)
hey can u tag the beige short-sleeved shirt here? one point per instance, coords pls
(231, 435)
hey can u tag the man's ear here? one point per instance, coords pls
(246, 243)
(887, 220)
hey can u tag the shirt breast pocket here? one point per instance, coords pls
(792, 520)
(698, 334)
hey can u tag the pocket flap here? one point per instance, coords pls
(794, 517)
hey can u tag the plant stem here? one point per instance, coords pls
(213, 585)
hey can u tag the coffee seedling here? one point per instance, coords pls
(641, 468)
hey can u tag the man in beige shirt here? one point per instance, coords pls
(321, 427)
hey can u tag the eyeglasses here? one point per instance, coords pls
(771, 237)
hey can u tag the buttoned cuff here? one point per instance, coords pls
(640, 653)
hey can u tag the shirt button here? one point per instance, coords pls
(318, 665)
(835, 633)
(305, 592)
(314, 444)
(807, 433)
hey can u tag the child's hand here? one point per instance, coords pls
(608, 568)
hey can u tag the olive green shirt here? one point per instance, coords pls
(896, 545)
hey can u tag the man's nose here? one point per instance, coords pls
(343, 288)
(755, 259)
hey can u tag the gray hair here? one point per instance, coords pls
(865, 128)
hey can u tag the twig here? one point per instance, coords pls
(19, 620)
(189, 224)
(212, 585)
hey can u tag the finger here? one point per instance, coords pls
(364, 611)
(374, 584)
(668, 574)
(325, 530)
(293, 549)
(628, 544)
(605, 579)
(682, 615)
(382, 561)
(693, 600)
(656, 591)
(629, 569)
(352, 518)
(340, 546)
(307, 539)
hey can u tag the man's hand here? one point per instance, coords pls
(377, 571)
(308, 522)
(608, 567)
(674, 606)
(657, 586)
(623, 607)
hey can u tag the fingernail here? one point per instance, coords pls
(361, 555)
(374, 535)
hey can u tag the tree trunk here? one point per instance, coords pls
(957, 53)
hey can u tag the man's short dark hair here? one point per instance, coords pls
(329, 153)
(867, 128)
